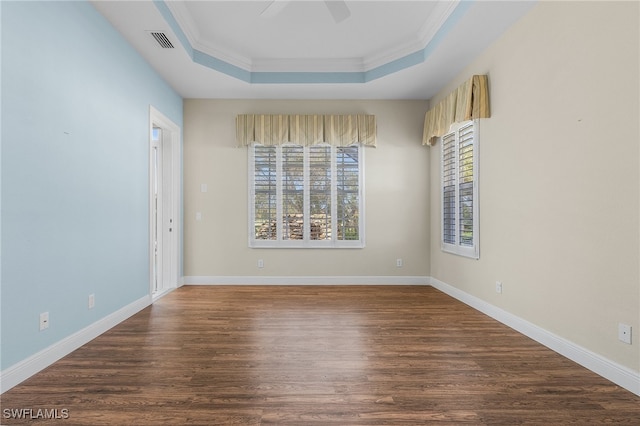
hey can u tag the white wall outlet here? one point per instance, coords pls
(499, 287)
(399, 263)
(44, 321)
(204, 187)
(624, 333)
(92, 301)
(260, 263)
(198, 216)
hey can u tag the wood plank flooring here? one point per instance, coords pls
(347, 355)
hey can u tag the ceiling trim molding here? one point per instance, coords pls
(308, 65)
(314, 71)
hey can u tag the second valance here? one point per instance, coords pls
(468, 102)
(277, 129)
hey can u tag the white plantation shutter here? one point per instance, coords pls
(264, 188)
(292, 192)
(320, 202)
(449, 167)
(347, 192)
(466, 181)
(306, 196)
(460, 190)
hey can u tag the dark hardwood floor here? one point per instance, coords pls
(347, 355)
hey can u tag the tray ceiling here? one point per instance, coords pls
(297, 49)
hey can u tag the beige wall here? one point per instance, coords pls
(559, 183)
(396, 185)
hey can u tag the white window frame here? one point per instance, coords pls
(306, 242)
(458, 248)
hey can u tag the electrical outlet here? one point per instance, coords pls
(44, 321)
(624, 333)
(399, 263)
(499, 287)
(92, 301)
(260, 263)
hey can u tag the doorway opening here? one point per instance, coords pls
(164, 202)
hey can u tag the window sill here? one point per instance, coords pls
(307, 245)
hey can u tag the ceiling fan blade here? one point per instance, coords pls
(338, 9)
(274, 8)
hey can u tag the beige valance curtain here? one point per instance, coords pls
(469, 101)
(276, 129)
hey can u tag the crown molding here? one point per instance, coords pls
(307, 65)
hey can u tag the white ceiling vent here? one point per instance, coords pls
(162, 39)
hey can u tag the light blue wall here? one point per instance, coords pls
(75, 111)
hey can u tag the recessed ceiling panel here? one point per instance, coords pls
(306, 30)
(383, 50)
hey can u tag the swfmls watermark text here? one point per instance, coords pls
(35, 413)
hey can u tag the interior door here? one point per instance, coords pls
(164, 208)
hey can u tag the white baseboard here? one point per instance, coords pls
(306, 280)
(618, 374)
(26, 368)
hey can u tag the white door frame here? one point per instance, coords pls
(169, 249)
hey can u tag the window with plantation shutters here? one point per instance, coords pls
(305, 196)
(460, 190)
